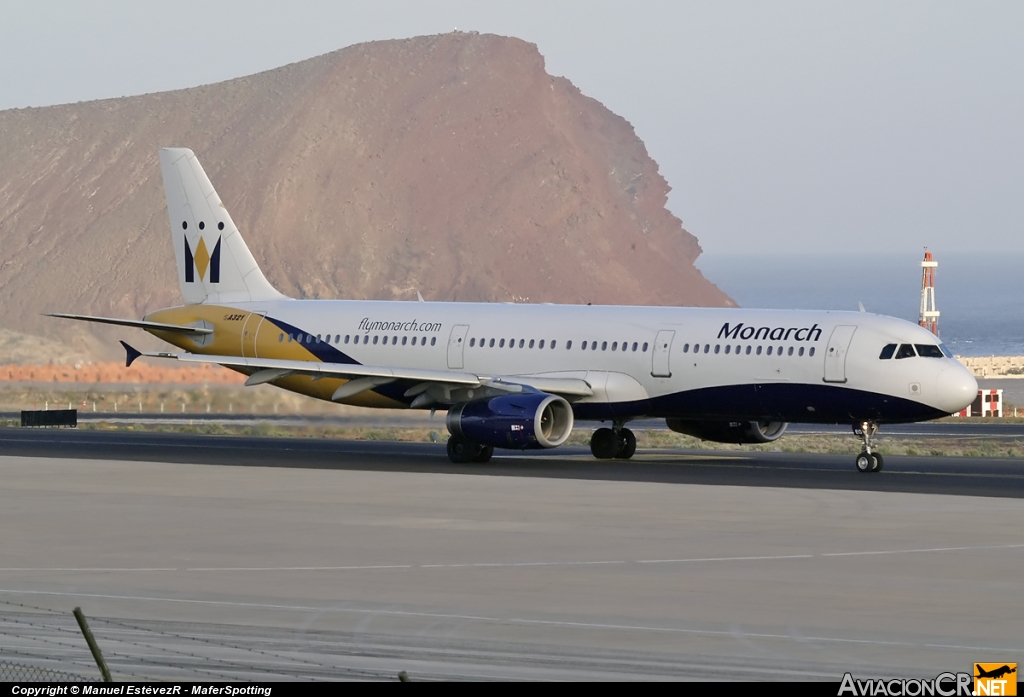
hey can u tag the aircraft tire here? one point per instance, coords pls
(865, 462)
(461, 451)
(628, 444)
(604, 444)
(486, 451)
(876, 462)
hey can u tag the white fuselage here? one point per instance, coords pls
(796, 365)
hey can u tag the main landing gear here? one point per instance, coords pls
(462, 451)
(869, 460)
(615, 442)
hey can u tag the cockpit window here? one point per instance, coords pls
(887, 352)
(945, 351)
(928, 351)
(905, 351)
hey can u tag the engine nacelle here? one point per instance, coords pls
(740, 432)
(522, 421)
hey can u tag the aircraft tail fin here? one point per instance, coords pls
(214, 264)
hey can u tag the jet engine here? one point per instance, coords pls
(740, 432)
(528, 420)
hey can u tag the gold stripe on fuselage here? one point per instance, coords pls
(251, 335)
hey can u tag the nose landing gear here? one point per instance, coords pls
(869, 460)
(615, 442)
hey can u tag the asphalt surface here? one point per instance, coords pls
(229, 558)
(962, 476)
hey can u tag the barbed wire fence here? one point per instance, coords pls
(45, 644)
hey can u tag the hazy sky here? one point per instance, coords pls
(782, 127)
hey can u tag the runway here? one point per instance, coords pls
(957, 476)
(316, 559)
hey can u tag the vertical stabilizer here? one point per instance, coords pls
(214, 265)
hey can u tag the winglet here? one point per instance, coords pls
(133, 353)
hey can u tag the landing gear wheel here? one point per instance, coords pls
(628, 444)
(876, 459)
(605, 444)
(461, 451)
(869, 460)
(485, 453)
(865, 463)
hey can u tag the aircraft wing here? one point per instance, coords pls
(141, 324)
(365, 377)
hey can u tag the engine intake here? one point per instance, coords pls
(739, 432)
(523, 421)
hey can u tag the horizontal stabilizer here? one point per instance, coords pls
(139, 323)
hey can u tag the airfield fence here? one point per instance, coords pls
(44, 644)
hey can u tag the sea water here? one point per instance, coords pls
(980, 297)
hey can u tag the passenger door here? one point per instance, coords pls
(249, 331)
(835, 353)
(660, 358)
(456, 344)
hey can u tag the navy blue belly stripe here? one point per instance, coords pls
(327, 353)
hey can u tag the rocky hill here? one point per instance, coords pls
(451, 164)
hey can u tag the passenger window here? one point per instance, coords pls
(280, 338)
(541, 344)
(748, 350)
(472, 343)
(686, 348)
(801, 352)
(433, 340)
(337, 338)
(604, 345)
(737, 349)
(811, 352)
(531, 343)
(716, 348)
(728, 349)
(790, 352)
(645, 347)
(568, 344)
(769, 351)
(887, 352)
(501, 344)
(521, 341)
(615, 346)
(394, 340)
(583, 347)
(375, 341)
(404, 339)
(555, 341)
(491, 343)
(300, 338)
(928, 351)
(905, 351)
(634, 346)
(758, 350)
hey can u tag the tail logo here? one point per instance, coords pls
(201, 261)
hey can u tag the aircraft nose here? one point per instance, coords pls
(957, 389)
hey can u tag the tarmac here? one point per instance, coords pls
(288, 559)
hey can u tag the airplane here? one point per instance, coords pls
(995, 673)
(518, 376)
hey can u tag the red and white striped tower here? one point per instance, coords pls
(929, 315)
